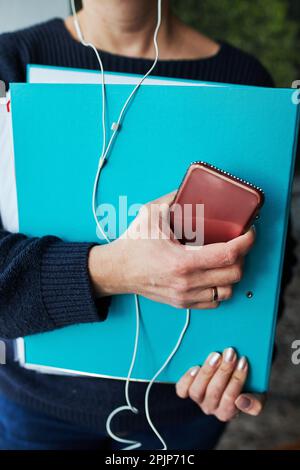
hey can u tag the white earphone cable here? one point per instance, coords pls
(187, 320)
(128, 407)
(90, 45)
(105, 150)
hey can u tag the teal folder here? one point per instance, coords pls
(248, 131)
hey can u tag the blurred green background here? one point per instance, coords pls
(269, 29)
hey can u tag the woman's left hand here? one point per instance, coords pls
(217, 387)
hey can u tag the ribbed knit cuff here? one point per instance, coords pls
(66, 287)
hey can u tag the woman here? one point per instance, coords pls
(56, 412)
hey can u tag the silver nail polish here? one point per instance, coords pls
(229, 355)
(213, 358)
(242, 363)
(194, 371)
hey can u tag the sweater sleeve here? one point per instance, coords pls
(13, 59)
(44, 282)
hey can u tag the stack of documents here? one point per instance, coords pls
(248, 131)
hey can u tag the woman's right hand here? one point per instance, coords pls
(165, 271)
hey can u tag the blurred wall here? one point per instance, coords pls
(16, 14)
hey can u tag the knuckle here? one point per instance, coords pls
(237, 274)
(180, 267)
(228, 397)
(230, 255)
(194, 395)
(226, 368)
(237, 381)
(214, 395)
(182, 285)
(180, 300)
(207, 410)
(206, 371)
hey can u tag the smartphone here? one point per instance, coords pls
(218, 204)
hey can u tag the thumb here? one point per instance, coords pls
(251, 404)
(163, 205)
(166, 199)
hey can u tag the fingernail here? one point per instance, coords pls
(242, 364)
(194, 370)
(244, 403)
(229, 355)
(213, 358)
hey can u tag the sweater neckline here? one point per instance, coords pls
(109, 55)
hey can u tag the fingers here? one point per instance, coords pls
(244, 243)
(221, 277)
(207, 371)
(198, 387)
(250, 404)
(194, 292)
(160, 216)
(219, 381)
(227, 408)
(219, 255)
(218, 277)
(183, 385)
(197, 296)
(216, 386)
(166, 199)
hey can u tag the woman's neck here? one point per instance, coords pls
(126, 27)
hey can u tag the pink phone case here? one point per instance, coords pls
(230, 204)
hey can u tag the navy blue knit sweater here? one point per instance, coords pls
(31, 299)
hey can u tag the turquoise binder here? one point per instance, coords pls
(248, 131)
